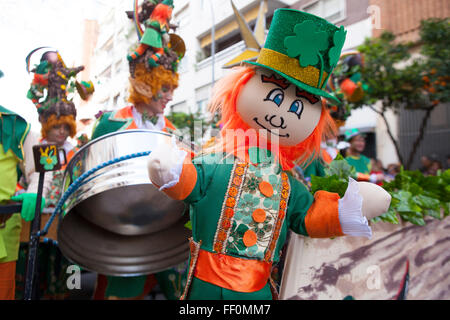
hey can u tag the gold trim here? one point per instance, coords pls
(194, 248)
(291, 67)
(230, 202)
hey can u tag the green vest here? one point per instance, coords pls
(152, 34)
(214, 178)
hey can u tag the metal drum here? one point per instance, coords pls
(117, 222)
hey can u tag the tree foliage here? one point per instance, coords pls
(400, 80)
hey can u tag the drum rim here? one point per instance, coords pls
(87, 145)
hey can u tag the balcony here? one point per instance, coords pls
(223, 56)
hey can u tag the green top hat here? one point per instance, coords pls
(302, 48)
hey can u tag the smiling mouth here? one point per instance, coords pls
(280, 135)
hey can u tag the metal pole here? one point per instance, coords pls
(31, 274)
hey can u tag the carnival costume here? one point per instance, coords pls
(55, 109)
(242, 197)
(153, 72)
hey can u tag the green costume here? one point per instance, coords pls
(153, 34)
(14, 130)
(361, 163)
(207, 215)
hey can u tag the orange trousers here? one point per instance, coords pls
(7, 280)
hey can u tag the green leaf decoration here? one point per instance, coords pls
(335, 51)
(307, 43)
(48, 162)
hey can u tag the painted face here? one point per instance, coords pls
(158, 102)
(58, 134)
(270, 102)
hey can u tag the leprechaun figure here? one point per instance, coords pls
(243, 199)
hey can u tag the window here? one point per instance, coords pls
(201, 106)
(331, 10)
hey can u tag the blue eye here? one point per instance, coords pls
(297, 108)
(276, 95)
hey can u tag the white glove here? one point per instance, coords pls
(165, 164)
(376, 200)
(361, 201)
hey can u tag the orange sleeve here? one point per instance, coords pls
(186, 183)
(362, 177)
(322, 218)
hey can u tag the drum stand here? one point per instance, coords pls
(31, 275)
(40, 152)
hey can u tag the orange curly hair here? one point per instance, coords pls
(146, 84)
(55, 121)
(224, 98)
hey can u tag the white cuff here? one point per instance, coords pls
(373, 178)
(353, 223)
(172, 177)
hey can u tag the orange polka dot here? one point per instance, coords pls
(259, 215)
(266, 189)
(249, 238)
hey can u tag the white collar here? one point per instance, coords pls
(141, 124)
